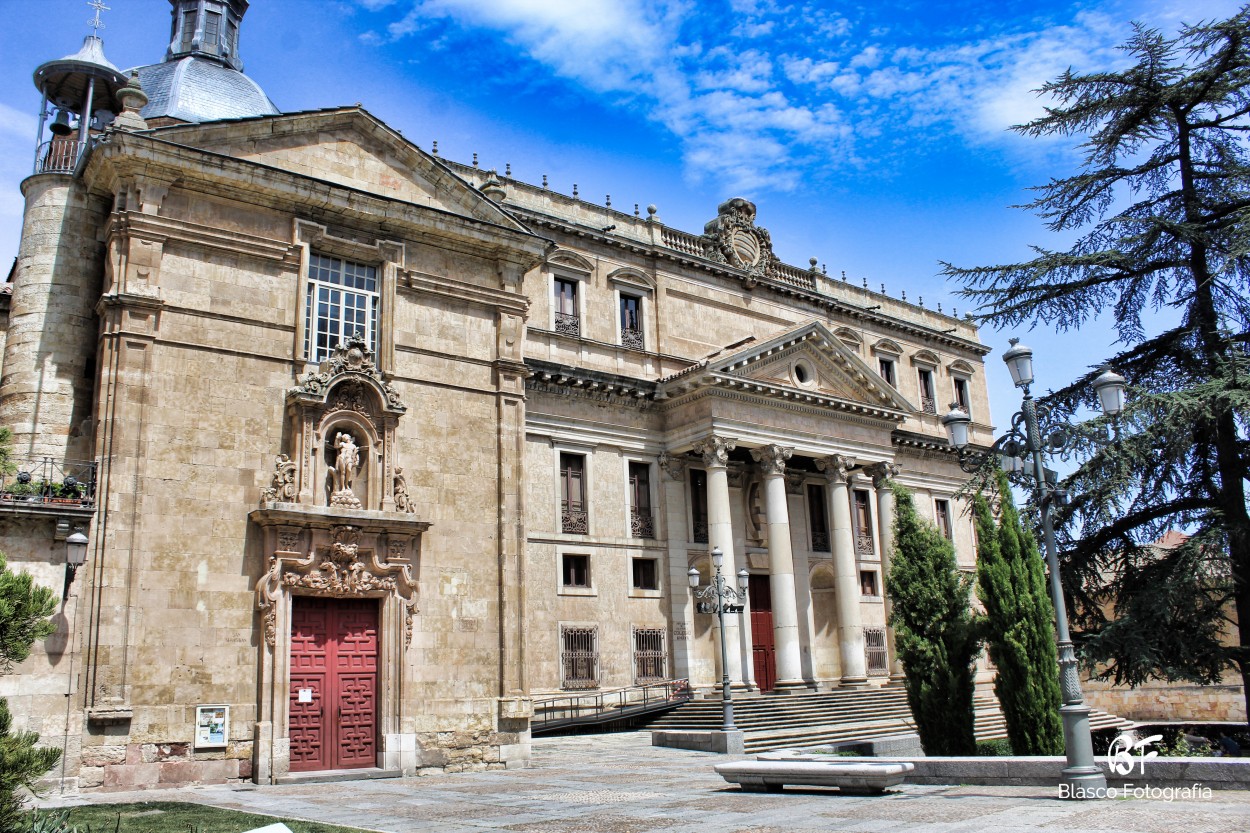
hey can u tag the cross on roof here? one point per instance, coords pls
(95, 22)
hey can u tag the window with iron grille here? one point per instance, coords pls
(573, 516)
(641, 519)
(927, 403)
(631, 322)
(342, 300)
(816, 512)
(698, 506)
(863, 523)
(650, 658)
(942, 512)
(961, 394)
(646, 574)
(567, 320)
(875, 652)
(579, 657)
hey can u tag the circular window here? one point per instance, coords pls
(803, 374)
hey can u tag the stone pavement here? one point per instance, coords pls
(620, 784)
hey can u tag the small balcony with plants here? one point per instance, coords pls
(47, 482)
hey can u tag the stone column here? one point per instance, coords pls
(772, 460)
(681, 605)
(881, 474)
(846, 572)
(715, 452)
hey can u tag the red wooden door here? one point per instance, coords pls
(763, 653)
(334, 683)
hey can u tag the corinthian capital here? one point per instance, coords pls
(881, 473)
(836, 467)
(772, 458)
(715, 450)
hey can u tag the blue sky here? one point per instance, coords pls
(871, 135)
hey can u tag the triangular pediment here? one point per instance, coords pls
(348, 147)
(806, 362)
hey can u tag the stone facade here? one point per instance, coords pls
(553, 410)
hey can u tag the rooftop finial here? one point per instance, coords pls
(96, 23)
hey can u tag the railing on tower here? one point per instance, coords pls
(59, 155)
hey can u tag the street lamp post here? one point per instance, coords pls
(1082, 775)
(720, 598)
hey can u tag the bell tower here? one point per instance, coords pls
(207, 29)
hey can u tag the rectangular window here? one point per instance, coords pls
(816, 512)
(927, 402)
(212, 33)
(232, 38)
(567, 321)
(868, 582)
(342, 301)
(875, 651)
(631, 322)
(579, 657)
(863, 523)
(942, 513)
(188, 30)
(575, 570)
(650, 658)
(961, 394)
(887, 370)
(698, 505)
(641, 520)
(646, 574)
(573, 516)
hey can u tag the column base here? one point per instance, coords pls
(854, 682)
(792, 687)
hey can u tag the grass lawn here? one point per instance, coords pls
(178, 817)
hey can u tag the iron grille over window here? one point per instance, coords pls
(342, 300)
(927, 402)
(641, 521)
(863, 524)
(650, 659)
(816, 512)
(573, 518)
(698, 505)
(875, 652)
(579, 657)
(567, 321)
(631, 322)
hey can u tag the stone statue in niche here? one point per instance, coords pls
(403, 502)
(346, 463)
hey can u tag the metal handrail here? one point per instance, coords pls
(48, 480)
(59, 155)
(605, 706)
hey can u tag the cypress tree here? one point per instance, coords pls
(24, 617)
(935, 632)
(1019, 627)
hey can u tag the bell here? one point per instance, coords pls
(60, 126)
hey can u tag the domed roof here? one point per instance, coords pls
(195, 89)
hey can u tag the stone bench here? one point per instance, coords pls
(848, 776)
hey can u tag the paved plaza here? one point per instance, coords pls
(620, 784)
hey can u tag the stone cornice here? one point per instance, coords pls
(152, 227)
(564, 380)
(739, 387)
(411, 279)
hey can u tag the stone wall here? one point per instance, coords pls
(1168, 701)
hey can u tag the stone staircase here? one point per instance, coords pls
(839, 716)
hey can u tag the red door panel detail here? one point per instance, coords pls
(763, 653)
(334, 661)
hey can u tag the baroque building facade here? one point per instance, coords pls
(371, 450)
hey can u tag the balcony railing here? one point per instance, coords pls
(568, 325)
(700, 531)
(46, 480)
(928, 405)
(863, 543)
(59, 155)
(631, 338)
(574, 522)
(820, 542)
(641, 523)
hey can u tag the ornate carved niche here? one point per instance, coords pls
(313, 552)
(343, 418)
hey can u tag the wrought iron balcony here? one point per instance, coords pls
(928, 405)
(574, 522)
(60, 155)
(641, 523)
(820, 542)
(700, 531)
(863, 543)
(568, 325)
(631, 338)
(44, 480)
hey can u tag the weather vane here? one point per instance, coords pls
(95, 22)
